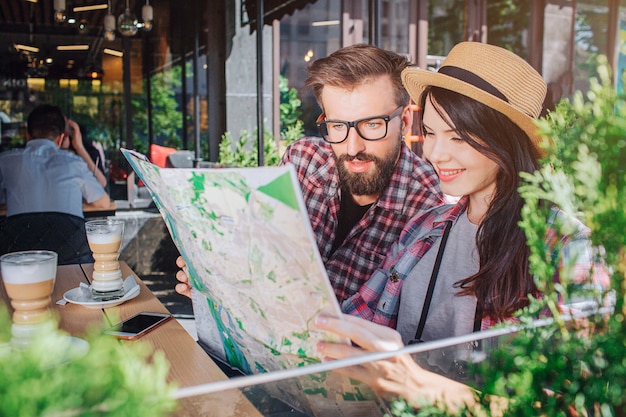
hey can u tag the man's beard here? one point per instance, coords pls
(367, 183)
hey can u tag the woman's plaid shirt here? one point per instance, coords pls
(379, 298)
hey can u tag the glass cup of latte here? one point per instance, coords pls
(105, 241)
(28, 278)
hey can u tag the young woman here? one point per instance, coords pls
(463, 267)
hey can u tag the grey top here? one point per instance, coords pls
(449, 315)
(42, 177)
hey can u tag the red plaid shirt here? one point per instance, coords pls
(413, 188)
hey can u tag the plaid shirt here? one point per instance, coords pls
(379, 299)
(413, 188)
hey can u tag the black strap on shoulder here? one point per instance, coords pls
(431, 284)
(478, 317)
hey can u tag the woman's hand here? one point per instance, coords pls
(183, 287)
(395, 377)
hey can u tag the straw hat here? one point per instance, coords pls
(490, 75)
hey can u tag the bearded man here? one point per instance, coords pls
(360, 181)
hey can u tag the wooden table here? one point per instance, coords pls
(189, 363)
(88, 210)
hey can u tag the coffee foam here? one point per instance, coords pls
(104, 238)
(24, 271)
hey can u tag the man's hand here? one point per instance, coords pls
(79, 148)
(183, 286)
(75, 136)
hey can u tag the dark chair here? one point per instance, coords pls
(180, 159)
(59, 232)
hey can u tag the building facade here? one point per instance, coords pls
(209, 67)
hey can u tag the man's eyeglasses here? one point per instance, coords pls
(369, 128)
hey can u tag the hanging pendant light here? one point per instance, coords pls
(147, 16)
(127, 22)
(109, 25)
(59, 11)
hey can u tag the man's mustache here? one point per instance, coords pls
(358, 157)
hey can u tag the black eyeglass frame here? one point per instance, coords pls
(387, 118)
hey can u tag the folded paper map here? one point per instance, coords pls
(257, 275)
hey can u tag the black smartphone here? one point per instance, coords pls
(138, 325)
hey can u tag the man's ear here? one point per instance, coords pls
(59, 140)
(407, 120)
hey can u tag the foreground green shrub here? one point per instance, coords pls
(111, 379)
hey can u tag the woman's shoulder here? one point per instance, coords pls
(448, 211)
(425, 223)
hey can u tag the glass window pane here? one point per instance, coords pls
(590, 40)
(311, 33)
(446, 20)
(394, 25)
(508, 22)
(316, 390)
(621, 50)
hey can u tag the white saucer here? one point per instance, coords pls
(70, 348)
(77, 348)
(82, 295)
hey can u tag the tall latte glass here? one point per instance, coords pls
(28, 279)
(105, 241)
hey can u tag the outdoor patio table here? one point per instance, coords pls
(189, 363)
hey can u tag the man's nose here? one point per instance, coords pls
(354, 142)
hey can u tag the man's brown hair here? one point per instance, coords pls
(354, 65)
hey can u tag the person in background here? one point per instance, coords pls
(360, 181)
(460, 267)
(44, 178)
(75, 140)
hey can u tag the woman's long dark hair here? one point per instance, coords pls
(503, 281)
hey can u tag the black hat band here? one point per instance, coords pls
(471, 78)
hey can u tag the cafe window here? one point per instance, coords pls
(620, 59)
(507, 25)
(446, 22)
(306, 35)
(590, 40)
(394, 24)
(319, 29)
